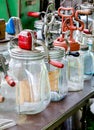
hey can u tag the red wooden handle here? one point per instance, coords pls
(56, 64)
(34, 14)
(10, 81)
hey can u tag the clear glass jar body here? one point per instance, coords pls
(75, 73)
(32, 89)
(58, 77)
(88, 63)
(92, 79)
(92, 53)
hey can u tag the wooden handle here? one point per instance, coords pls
(33, 14)
(10, 81)
(56, 64)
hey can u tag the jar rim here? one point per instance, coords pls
(19, 53)
(55, 52)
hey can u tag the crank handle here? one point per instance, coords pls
(36, 14)
(56, 64)
(10, 81)
(75, 54)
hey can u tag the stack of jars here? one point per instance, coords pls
(44, 75)
(39, 79)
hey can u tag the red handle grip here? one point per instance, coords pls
(56, 64)
(34, 14)
(10, 81)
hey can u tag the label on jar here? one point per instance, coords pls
(53, 78)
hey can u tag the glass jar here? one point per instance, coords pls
(58, 76)
(92, 53)
(30, 73)
(88, 61)
(75, 69)
(5, 53)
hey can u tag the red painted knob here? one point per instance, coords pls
(10, 81)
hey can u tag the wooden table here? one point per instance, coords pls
(54, 114)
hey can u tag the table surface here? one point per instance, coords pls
(54, 114)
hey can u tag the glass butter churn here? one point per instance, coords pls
(75, 66)
(29, 70)
(57, 66)
(75, 62)
(58, 76)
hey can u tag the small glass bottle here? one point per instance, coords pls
(33, 89)
(88, 61)
(92, 53)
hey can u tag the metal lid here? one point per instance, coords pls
(19, 53)
(56, 52)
